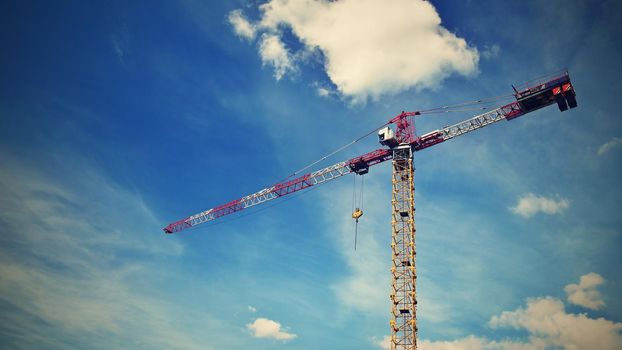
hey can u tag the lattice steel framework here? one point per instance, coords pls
(403, 293)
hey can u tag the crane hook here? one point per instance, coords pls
(356, 215)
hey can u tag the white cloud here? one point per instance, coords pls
(384, 343)
(585, 293)
(548, 325)
(530, 204)
(252, 309)
(241, 26)
(324, 92)
(611, 144)
(371, 48)
(551, 326)
(265, 328)
(274, 52)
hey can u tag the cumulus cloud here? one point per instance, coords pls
(241, 26)
(548, 326)
(384, 343)
(530, 204)
(265, 328)
(252, 309)
(611, 144)
(368, 48)
(585, 293)
(273, 52)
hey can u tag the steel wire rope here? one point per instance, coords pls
(362, 191)
(353, 193)
(335, 151)
(472, 102)
(456, 110)
(559, 73)
(356, 232)
(443, 109)
(435, 110)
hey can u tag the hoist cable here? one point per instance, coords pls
(362, 191)
(472, 102)
(335, 151)
(442, 109)
(353, 192)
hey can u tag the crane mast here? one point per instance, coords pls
(401, 144)
(403, 272)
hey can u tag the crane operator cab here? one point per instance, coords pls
(386, 137)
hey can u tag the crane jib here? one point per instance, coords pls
(276, 191)
(292, 186)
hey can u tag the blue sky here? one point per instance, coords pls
(117, 118)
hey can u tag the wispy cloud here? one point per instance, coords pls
(608, 146)
(384, 343)
(241, 26)
(120, 41)
(531, 204)
(585, 293)
(323, 91)
(273, 52)
(370, 48)
(491, 51)
(471, 343)
(265, 328)
(75, 253)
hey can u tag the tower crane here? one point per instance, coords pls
(400, 141)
